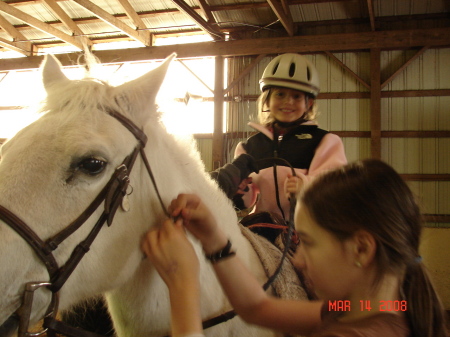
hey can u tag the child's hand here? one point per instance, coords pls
(243, 186)
(172, 254)
(199, 220)
(292, 185)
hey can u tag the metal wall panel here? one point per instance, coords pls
(204, 146)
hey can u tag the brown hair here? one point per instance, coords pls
(264, 115)
(370, 195)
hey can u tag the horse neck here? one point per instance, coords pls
(144, 299)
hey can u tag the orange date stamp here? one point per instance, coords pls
(366, 305)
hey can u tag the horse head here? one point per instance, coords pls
(53, 170)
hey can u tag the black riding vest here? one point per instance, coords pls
(297, 146)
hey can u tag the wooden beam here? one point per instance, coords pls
(244, 73)
(403, 67)
(195, 75)
(416, 134)
(111, 20)
(206, 10)
(42, 26)
(375, 103)
(439, 218)
(416, 93)
(400, 39)
(19, 42)
(216, 34)
(426, 177)
(285, 17)
(217, 141)
(21, 47)
(137, 21)
(349, 71)
(371, 14)
(67, 21)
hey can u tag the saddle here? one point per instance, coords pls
(272, 227)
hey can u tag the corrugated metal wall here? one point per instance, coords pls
(407, 155)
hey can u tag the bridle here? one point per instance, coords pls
(112, 196)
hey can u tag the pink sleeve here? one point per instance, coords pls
(329, 154)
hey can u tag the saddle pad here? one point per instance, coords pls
(287, 284)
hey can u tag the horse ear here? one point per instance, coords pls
(52, 73)
(141, 92)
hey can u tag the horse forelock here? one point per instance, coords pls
(77, 97)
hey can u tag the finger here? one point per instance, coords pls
(150, 241)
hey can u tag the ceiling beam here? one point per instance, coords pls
(401, 39)
(111, 20)
(215, 33)
(42, 26)
(348, 70)
(206, 10)
(403, 67)
(281, 10)
(19, 42)
(67, 21)
(137, 21)
(413, 19)
(371, 14)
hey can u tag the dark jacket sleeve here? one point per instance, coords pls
(231, 175)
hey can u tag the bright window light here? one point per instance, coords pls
(184, 98)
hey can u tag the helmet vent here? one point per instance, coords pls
(275, 68)
(292, 70)
(308, 73)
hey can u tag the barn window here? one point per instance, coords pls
(185, 98)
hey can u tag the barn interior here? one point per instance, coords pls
(383, 68)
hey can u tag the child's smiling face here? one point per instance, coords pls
(288, 105)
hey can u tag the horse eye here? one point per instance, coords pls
(92, 166)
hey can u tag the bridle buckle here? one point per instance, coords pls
(24, 312)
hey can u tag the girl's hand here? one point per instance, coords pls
(243, 186)
(172, 254)
(292, 185)
(199, 220)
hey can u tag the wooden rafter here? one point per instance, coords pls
(195, 75)
(375, 103)
(137, 21)
(19, 42)
(67, 21)
(244, 73)
(204, 7)
(349, 71)
(283, 14)
(371, 14)
(205, 26)
(42, 26)
(111, 20)
(394, 75)
(400, 39)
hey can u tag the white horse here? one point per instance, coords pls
(52, 170)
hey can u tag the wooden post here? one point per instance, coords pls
(375, 103)
(217, 145)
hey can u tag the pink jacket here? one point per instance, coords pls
(328, 155)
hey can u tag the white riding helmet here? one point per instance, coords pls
(292, 71)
